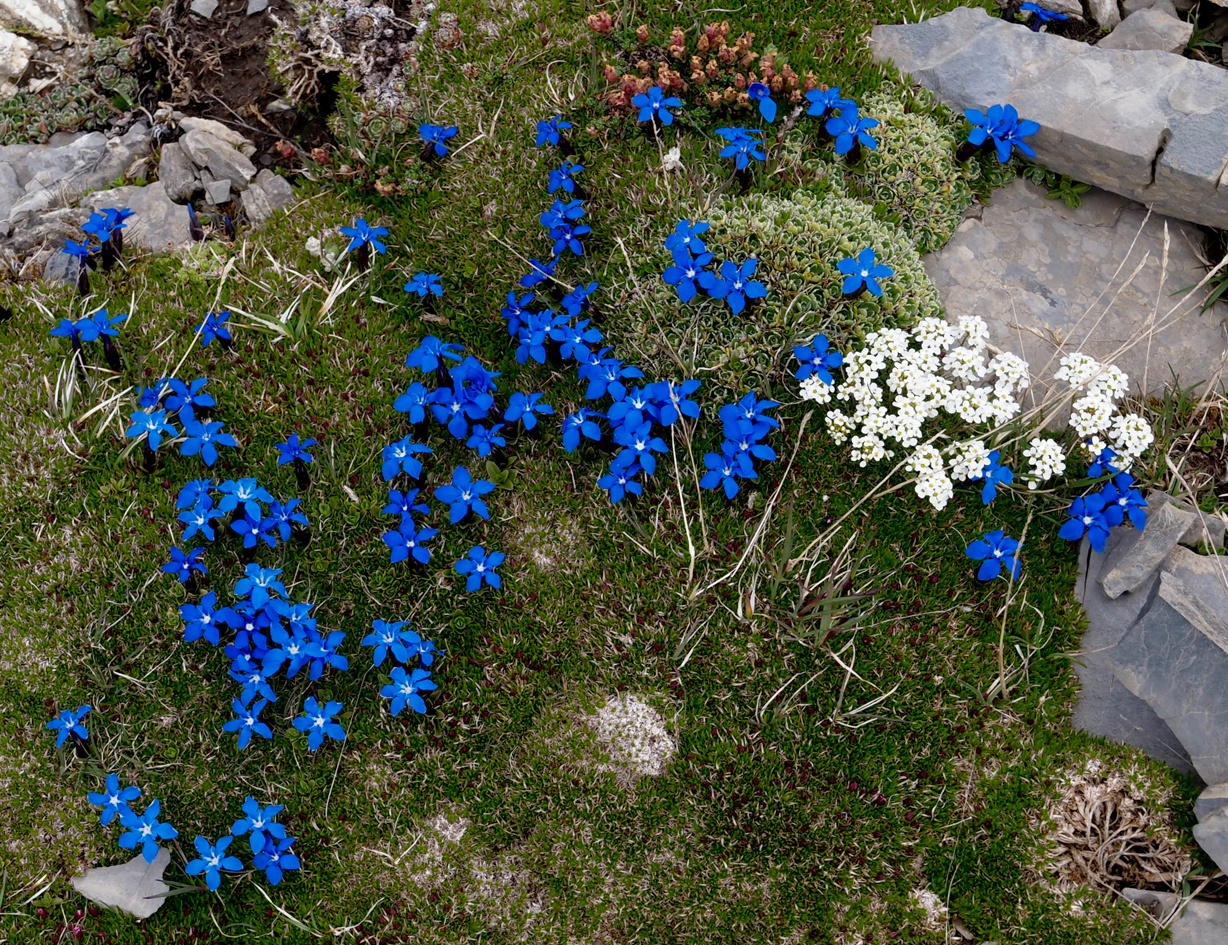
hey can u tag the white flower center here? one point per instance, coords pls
(865, 273)
(318, 722)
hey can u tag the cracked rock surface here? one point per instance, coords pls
(1146, 124)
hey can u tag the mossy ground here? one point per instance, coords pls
(801, 805)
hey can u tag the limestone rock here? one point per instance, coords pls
(10, 190)
(158, 224)
(256, 6)
(268, 194)
(15, 53)
(1212, 836)
(1127, 570)
(223, 133)
(177, 173)
(1212, 800)
(204, 8)
(1201, 923)
(52, 228)
(1072, 8)
(1150, 29)
(1130, 7)
(1205, 527)
(217, 192)
(54, 18)
(1105, 13)
(136, 887)
(223, 160)
(1145, 124)
(1034, 269)
(1175, 658)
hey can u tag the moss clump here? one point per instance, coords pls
(798, 241)
(103, 86)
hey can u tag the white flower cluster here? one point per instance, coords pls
(1095, 413)
(1045, 460)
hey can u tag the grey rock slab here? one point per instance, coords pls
(61, 269)
(61, 19)
(1146, 124)
(223, 160)
(1205, 528)
(1149, 29)
(1212, 836)
(1128, 570)
(1175, 658)
(204, 8)
(136, 887)
(217, 192)
(256, 6)
(10, 190)
(1039, 274)
(1130, 7)
(158, 224)
(177, 173)
(221, 132)
(1212, 800)
(1104, 13)
(1201, 923)
(268, 194)
(1205, 575)
(1069, 7)
(51, 228)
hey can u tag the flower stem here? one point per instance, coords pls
(301, 476)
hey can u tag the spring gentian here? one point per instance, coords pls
(191, 494)
(564, 177)
(247, 493)
(259, 823)
(566, 235)
(201, 620)
(608, 377)
(1002, 124)
(254, 529)
(748, 410)
(292, 450)
(423, 284)
(184, 564)
(576, 300)
(1087, 517)
(204, 438)
(247, 722)
(576, 339)
(386, 636)
(758, 92)
(436, 135)
(515, 310)
(210, 860)
(654, 104)
(742, 145)
(548, 131)
(414, 402)
(484, 440)
(100, 325)
(578, 423)
(993, 475)
(538, 272)
(639, 444)
(1122, 494)
(863, 271)
(676, 402)
(145, 831)
(734, 284)
(214, 326)
(620, 480)
(1102, 465)
(324, 653)
(430, 353)
(685, 273)
(525, 408)
(815, 358)
(479, 567)
(416, 646)
(153, 425)
(283, 516)
(687, 236)
(1040, 16)
(187, 397)
(69, 723)
(405, 504)
(405, 688)
(401, 456)
(994, 551)
(317, 721)
(275, 858)
(723, 469)
(198, 519)
(823, 101)
(112, 799)
(363, 234)
(464, 494)
(68, 329)
(850, 128)
(258, 582)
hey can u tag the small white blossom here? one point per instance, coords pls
(814, 388)
(1077, 370)
(1045, 460)
(970, 459)
(1131, 436)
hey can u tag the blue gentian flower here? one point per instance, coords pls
(414, 402)
(742, 145)
(317, 721)
(815, 358)
(620, 480)
(247, 722)
(474, 377)
(283, 516)
(525, 408)
(214, 326)
(96, 226)
(153, 425)
(258, 582)
(532, 336)
(1102, 465)
(148, 398)
(144, 830)
(575, 339)
(863, 271)
(1040, 16)
(993, 475)
(851, 128)
(747, 444)
(186, 397)
(639, 444)
(479, 567)
(254, 529)
(1087, 517)
(676, 402)
(430, 354)
(823, 101)
(1002, 124)
(654, 104)
(687, 236)
(292, 450)
(758, 92)
(245, 492)
(193, 492)
(453, 408)
(204, 438)
(635, 409)
(436, 135)
(748, 410)
(464, 494)
(1128, 500)
(578, 423)
(288, 648)
(724, 469)
(80, 250)
(405, 504)
(115, 219)
(516, 309)
(608, 378)
(564, 177)
(99, 325)
(184, 564)
(416, 646)
(112, 799)
(198, 519)
(324, 654)
(548, 131)
(686, 272)
(385, 637)
(255, 683)
(577, 299)
(401, 457)
(567, 236)
(210, 860)
(69, 722)
(538, 272)
(259, 823)
(275, 858)
(200, 620)
(994, 551)
(734, 284)
(423, 284)
(484, 440)
(405, 688)
(363, 234)
(67, 329)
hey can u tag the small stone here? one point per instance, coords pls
(1150, 29)
(222, 132)
(136, 887)
(1070, 7)
(204, 8)
(268, 194)
(15, 53)
(256, 6)
(1212, 836)
(61, 269)
(1213, 799)
(10, 190)
(177, 173)
(1128, 570)
(1105, 13)
(158, 224)
(217, 192)
(224, 161)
